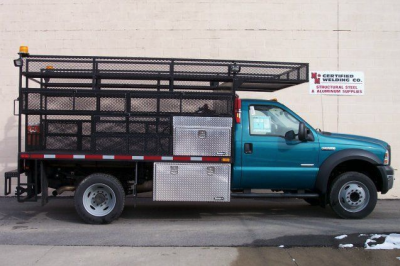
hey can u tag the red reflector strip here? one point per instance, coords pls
(121, 157)
(37, 156)
(64, 156)
(211, 159)
(94, 157)
(152, 158)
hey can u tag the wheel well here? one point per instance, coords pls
(360, 166)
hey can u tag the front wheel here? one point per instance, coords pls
(99, 199)
(353, 195)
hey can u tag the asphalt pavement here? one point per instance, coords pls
(183, 256)
(241, 223)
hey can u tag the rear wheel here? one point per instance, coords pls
(99, 199)
(353, 195)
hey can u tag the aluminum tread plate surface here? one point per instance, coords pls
(190, 121)
(202, 136)
(196, 182)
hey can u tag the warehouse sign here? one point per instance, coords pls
(336, 83)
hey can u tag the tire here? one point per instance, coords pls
(353, 195)
(99, 199)
(313, 201)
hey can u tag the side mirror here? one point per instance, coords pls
(302, 132)
(290, 135)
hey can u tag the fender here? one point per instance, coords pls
(321, 184)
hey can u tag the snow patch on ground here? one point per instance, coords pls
(398, 258)
(392, 241)
(281, 246)
(341, 237)
(345, 245)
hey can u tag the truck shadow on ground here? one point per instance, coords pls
(294, 209)
(146, 209)
(62, 209)
(288, 210)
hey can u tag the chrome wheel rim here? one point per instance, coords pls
(99, 200)
(354, 196)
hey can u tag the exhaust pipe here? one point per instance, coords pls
(146, 186)
(62, 189)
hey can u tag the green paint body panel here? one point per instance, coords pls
(276, 163)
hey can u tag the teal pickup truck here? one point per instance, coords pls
(107, 127)
(276, 149)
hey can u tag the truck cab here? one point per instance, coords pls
(276, 149)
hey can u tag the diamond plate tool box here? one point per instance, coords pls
(191, 182)
(202, 136)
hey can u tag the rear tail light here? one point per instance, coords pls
(33, 134)
(238, 109)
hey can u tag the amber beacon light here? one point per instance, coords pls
(24, 50)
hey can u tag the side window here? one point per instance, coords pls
(271, 121)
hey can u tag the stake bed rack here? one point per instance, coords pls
(125, 106)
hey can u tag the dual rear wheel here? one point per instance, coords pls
(99, 199)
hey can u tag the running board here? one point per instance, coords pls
(275, 195)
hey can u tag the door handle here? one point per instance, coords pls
(248, 148)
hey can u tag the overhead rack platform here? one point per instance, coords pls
(161, 74)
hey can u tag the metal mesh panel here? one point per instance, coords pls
(40, 63)
(31, 101)
(143, 105)
(111, 144)
(62, 127)
(168, 105)
(134, 103)
(111, 126)
(85, 103)
(200, 69)
(112, 104)
(86, 143)
(111, 134)
(133, 67)
(86, 128)
(61, 143)
(59, 103)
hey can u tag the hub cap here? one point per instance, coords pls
(353, 196)
(99, 200)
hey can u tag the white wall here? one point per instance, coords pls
(353, 35)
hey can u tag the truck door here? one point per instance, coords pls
(268, 159)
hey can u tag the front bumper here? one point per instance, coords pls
(387, 175)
